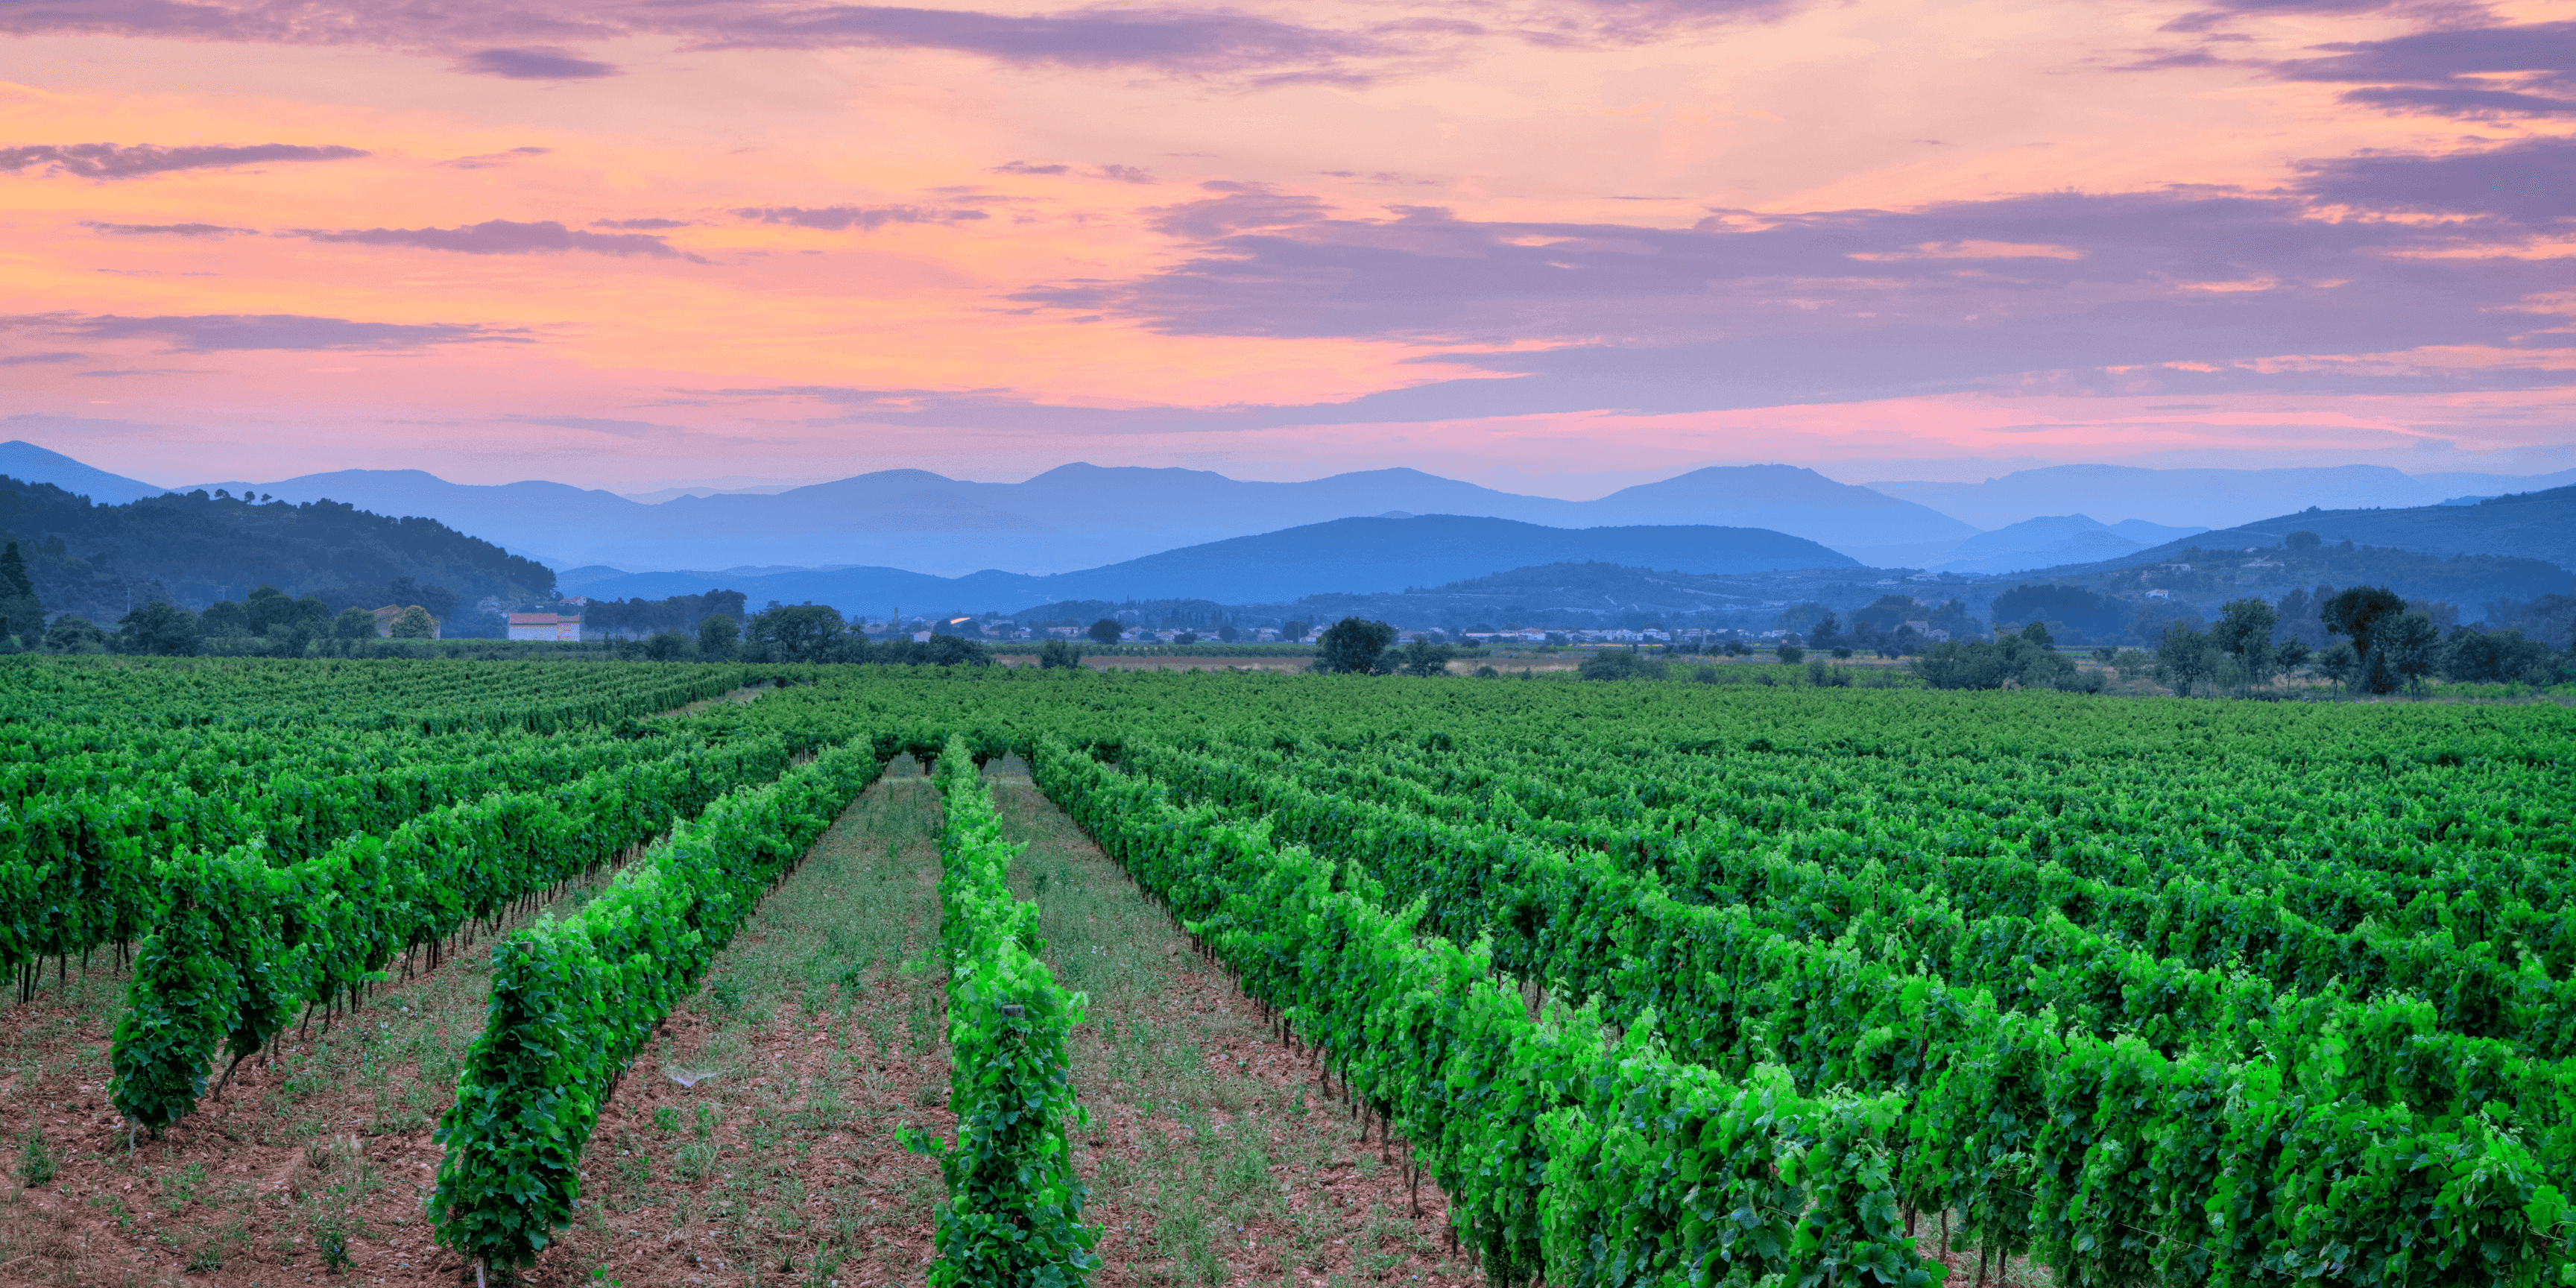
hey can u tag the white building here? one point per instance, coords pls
(545, 626)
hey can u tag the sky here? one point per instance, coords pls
(1557, 246)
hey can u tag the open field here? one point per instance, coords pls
(1386, 980)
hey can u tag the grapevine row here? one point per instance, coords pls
(1566, 1154)
(574, 1000)
(1014, 1209)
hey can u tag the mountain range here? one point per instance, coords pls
(2052, 540)
(2201, 498)
(2528, 525)
(1071, 517)
(1371, 555)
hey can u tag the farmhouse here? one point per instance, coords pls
(545, 626)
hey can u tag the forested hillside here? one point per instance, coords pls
(101, 560)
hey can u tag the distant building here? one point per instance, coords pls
(545, 626)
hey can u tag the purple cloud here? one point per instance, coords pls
(532, 40)
(487, 160)
(2187, 291)
(115, 161)
(1126, 174)
(506, 237)
(1178, 40)
(863, 218)
(2451, 72)
(640, 225)
(539, 62)
(162, 230)
(31, 359)
(1242, 206)
(218, 332)
(2533, 181)
(1023, 167)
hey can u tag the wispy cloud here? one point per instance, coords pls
(487, 160)
(134, 161)
(536, 62)
(161, 230)
(222, 332)
(862, 218)
(506, 237)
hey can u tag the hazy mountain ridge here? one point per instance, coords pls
(2055, 539)
(2207, 498)
(1069, 518)
(2526, 525)
(1363, 555)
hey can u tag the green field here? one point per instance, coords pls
(1643, 982)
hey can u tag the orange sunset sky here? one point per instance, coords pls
(1551, 247)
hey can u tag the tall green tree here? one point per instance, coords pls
(20, 612)
(413, 624)
(157, 628)
(1423, 658)
(2358, 615)
(2413, 646)
(1104, 632)
(2244, 635)
(716, 636)
(1352, 646)
(2183, 659)
(268, 608)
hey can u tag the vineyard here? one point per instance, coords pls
(1655, 984)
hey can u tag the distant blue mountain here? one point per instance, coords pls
(29, 463)
(1082, 516)
(1345, 555)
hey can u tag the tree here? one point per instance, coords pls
(75, 634)
(267, 607)
(1791, 654)
(1826, 633)
(158, 628)
(1226, 633)
(1351, 646)
(1424, 658)
(2357, 613)
(2244, 634)
(949, 650)
(2182, 659)
(1104, 632)
(2037, 633)
(1620, 664)
(1294, 629)
(1186, 637)
(1059, 654)
(224, 618)
(2413, 646)
(2340, 663)
(20, 612)
(2292, 653)
(803, 633)
(2302, 540)
(413, 624)
(716, 636)
(2494, 657)
(353, 623)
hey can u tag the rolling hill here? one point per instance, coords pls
(101, 560)
(1343, 555)
(2526, 525)
(2212, 498)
